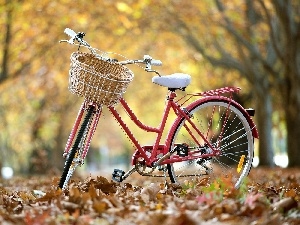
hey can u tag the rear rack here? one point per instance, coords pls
(216, 92)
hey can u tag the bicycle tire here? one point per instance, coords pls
(79, 138)
(224, 125)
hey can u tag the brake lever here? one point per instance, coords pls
(147, 69)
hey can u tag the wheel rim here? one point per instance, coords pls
(227, 129)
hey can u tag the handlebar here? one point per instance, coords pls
(70, 32)
(147, 59)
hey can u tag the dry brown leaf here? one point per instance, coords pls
(85, 197)
(292, 193)
(191, 205)
(183, 218)
(51, 195)
(230, 206)
(70, 206)
(105, 186)
(84, 202)
(93, 192)
(149, 193)
(100, 206)
(284, 205)
(74, 195)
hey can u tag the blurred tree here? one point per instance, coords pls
(7, 38)
(284, 31)
(234, 45)
(28, 93)
(35, 101)
(35, 104)
(260, 40)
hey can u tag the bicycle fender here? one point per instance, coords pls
(215, 98)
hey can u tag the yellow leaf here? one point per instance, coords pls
(99, 206)
(123, 7)
(159, 206)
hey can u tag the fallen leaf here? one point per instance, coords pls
(149, 193)
(284, 205)
(100, 206)
(252, 199)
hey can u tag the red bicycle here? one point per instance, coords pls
(211, 136)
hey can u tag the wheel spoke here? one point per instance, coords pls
(227, 130)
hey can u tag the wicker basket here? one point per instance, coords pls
(98, 80)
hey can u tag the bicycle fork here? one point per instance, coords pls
(92, 125)
(76, 154)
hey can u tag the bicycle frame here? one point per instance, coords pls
(157, 148)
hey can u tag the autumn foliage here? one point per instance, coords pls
(259, 40)
(267, 197)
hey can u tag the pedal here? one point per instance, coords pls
(118, 175)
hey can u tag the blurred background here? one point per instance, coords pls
(253, 44)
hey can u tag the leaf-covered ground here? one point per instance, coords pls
(269, 196)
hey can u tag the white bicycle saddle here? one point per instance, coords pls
(176, 80)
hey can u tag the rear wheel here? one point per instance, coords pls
(227, 130)
(73, 158)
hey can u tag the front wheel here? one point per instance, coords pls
(226, 129)
(73, 158)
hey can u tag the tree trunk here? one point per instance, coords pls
(293, 140)
(289, 27)
(292, 116)
(7, 39)
(263, 116)
(57, 160)
(62, 134)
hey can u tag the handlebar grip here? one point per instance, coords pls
(70, 32)
(156, 62)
